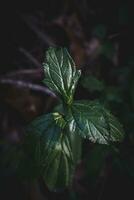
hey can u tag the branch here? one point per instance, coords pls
(30, 57)
(22, 84)
(40, 34)
(25, 73)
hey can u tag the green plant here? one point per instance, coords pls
(52, 143)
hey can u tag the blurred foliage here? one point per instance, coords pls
(100, 39)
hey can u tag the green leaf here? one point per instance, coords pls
(96, 123)
(48, 151)
(57, 172)
(75, 139)
(61, 74)
(92, 84)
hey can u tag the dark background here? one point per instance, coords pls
(100, 37)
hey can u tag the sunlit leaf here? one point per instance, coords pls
(61, 74)
(96, 123)
(49, 149)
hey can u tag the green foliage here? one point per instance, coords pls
(61, 75)
(49, 148)
(52, 143)
(96, 123)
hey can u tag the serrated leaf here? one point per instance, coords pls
(75, 139)
(58, 171)
(48, 152)
(61, 74)
(96, 123)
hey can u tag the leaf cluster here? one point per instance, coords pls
(52, 143)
